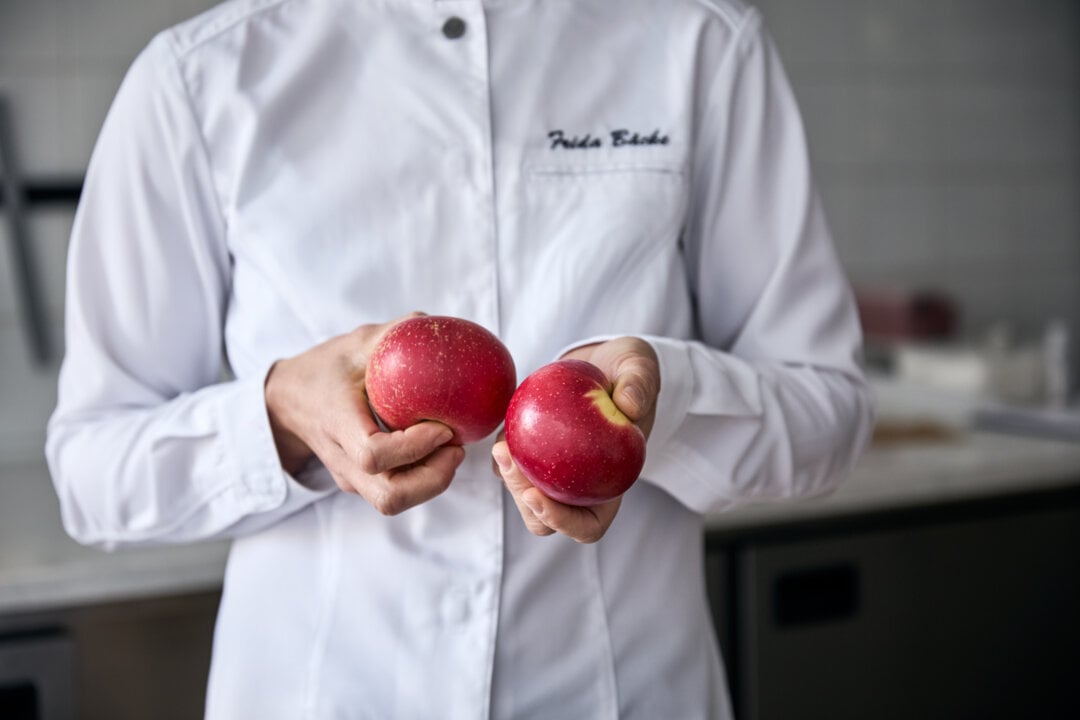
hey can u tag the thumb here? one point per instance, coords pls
(637, 381)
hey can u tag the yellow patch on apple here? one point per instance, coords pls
(607, 407)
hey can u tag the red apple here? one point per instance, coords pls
(441, 368)
(568, 437)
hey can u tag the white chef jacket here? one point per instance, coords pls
(276, 172)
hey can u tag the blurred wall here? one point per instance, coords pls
(945, 133)
(946, 137)
(61, 62)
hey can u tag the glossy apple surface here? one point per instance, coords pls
(568, 437)
(445, 369)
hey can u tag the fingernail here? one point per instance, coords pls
(445, 436)
(634, 394)
(533, 504)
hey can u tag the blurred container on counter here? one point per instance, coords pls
(891, 315)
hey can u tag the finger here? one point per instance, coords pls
(584, 524)
(637, 383)
(517, 483)
(340, 465)
(384, 328)
(581, 352)
(367, 337)
(382, 452)
(508, 470)
(395, 492)
(633, 368)
(499, 439)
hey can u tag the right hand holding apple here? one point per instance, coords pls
(591, 501)
(317, 407)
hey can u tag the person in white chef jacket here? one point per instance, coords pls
(625, 181)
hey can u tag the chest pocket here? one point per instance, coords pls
(610, 208)
(652, 163)
(593, 227)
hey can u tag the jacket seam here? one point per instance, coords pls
(612, 676)
(727, 14)
(751, 22)
(330, 581)
(221, 26)
(204, 152)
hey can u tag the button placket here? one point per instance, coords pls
(464, 24)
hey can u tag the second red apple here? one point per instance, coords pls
(569, 438)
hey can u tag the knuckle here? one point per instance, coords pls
(627, 363)
(368, 460)
(637, 354)
(387, 503)
(646, 369)
(456, 457)
(538, 528)
(590, 536)
(341, 479)
(363, 332)
(443, 480)
(434, 481)
(344, 485)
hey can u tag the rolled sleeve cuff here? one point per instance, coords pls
(676, 388)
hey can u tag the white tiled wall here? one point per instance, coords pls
(61, 62)
(946, 136)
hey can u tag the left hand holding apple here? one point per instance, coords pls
(632, 366)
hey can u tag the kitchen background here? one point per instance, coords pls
(945, 135)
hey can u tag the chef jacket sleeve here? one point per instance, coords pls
(147, 442)
(771, 401)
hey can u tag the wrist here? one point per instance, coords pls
(293, 452)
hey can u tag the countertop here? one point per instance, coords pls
(40, 568)
(907, 475)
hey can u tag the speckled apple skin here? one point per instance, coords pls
(567, 437)
(445, 369)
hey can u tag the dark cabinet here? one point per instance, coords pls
(134, 659)
(37, 675)
(976, 616)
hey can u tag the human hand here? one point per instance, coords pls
(634, 369)
(318, 407)
(632, 366)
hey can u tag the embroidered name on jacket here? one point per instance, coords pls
(616, 138)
